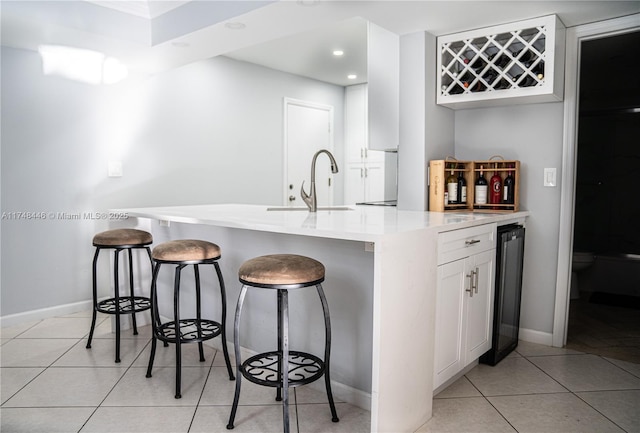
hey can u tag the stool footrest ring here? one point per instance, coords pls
(108, 306)
(189, 331)
(262, 368)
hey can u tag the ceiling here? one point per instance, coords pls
(294, 36)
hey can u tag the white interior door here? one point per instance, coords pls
(308, 128)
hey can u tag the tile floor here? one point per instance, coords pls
(51, 383)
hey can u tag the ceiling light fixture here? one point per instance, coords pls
(235, 25)
(352, 76)
(338, 53)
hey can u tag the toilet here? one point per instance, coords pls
(581, 260)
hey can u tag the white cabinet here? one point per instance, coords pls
(383, 103)
(464, 299)
(364, 171)
(364, 182)
(519, 62)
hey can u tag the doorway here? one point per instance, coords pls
(308, 128)
(581, 108)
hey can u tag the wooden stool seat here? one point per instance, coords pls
(281, 269)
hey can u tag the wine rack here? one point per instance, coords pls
(440, 169)
(511, 63)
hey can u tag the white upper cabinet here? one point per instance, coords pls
(520, 62)
(383, 99)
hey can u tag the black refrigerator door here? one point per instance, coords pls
(506, 313)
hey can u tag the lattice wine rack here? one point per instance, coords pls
(502, 63)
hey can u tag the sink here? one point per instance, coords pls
(320, 208)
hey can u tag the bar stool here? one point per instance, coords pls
(118, 240)
(282, 272)
(183, 253)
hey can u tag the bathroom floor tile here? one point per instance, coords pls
(512, 376)
(249, 419)
(135, 389)
(621, 407)
(140, 419)
(586, 373)
(316, 418)
(12, 379)
(552, 413)
(473, 414)
(34, 352)
(67, 387)
(43, 419)
(460, 388)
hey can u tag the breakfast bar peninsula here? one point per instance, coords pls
(381, 267)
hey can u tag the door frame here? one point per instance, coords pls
(286, 102)
(574, 38)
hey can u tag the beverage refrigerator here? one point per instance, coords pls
(508, 289)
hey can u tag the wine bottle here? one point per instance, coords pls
(462, 188)
(538, 70)
(452, 188)
(495, 184)
(481, 188)
(508, 190)
(501, 61)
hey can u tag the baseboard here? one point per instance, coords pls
(341, 392)
(538, 337)
(45, 313)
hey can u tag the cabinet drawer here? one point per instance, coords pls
(458, 244)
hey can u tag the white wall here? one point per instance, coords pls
(533, 134)
(208, 132)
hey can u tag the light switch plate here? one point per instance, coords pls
(115, 168)
(550, 177)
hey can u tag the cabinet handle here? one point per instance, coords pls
(476, 273)
(470, 289)
(471, 242)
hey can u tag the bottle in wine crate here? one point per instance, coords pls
(481, 188)
(495, 186)
(462, 188)
(508, 190)
(452, 188)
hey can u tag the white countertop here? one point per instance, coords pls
(361, 223)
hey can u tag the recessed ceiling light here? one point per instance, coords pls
(235, 25)
(352, 76)
(338, 52)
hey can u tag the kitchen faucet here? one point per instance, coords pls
(310, 199)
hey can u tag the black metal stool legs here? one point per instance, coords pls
(236, 346)
(95, 297)
(283, 325)
(223, 295)
(327, 352)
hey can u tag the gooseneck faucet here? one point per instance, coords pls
(310, 199)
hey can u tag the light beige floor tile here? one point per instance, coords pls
(316, 418)
(140, 419)
(43, 419)
(166, 356)
(135, 389)
(314, 393)
(586, 373)
(59, 327)
(101, 354)
(219, 390)
(34, 352)
(106, 329)
(14, 378)
(67, 387)
(532, 349)
(473, 414)
(14, 331)
(621, 407)
(512, 376)
(249, 419)
(551, 413)
(631, 367)
(460, 388)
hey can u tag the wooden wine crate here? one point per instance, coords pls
(440, 169)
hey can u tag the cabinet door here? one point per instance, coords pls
(354, 191)
(355, 126)
(479, 307)
(374, 182)
(450, 291)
